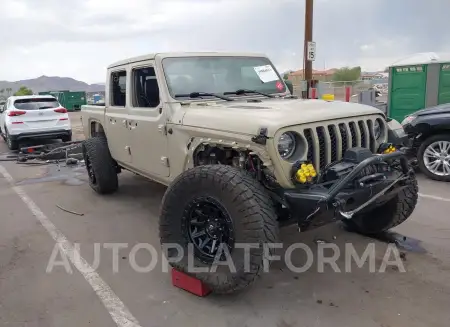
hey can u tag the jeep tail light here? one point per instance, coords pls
(61, 110)
(14, 113)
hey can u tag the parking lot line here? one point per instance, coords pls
(115, 307)
(433, 197)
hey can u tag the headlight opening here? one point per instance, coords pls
(287, 145)
(377, 129)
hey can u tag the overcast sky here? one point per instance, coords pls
(79, 38)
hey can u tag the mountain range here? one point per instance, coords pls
(51, 83)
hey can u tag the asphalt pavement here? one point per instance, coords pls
(32, 223)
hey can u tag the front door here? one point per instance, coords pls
(149, 150)
(116, 118)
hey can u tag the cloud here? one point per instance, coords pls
(81, 37)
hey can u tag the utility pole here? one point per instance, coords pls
(307, 64)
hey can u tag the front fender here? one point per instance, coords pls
(183, 142)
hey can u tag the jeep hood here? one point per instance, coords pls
(244, 117)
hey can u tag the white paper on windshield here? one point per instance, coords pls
(266, 73)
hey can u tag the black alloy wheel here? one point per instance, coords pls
(208, 225)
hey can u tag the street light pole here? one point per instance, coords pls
(307, 64)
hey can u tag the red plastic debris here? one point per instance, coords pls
(189, 284)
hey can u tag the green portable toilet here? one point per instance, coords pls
(418, 82)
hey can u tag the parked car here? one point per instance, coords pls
(33, 117)
(429, 131)
(242, 156)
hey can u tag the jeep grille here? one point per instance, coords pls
(328, 143)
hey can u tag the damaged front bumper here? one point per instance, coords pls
(352, 194)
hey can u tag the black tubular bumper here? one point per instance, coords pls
(321, 204)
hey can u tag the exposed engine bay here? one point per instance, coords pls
(246, 160)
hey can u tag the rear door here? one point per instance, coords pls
(41, 114)
(116, 116)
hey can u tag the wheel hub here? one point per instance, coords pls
(437, 159)
(208, 226)
(214, 229)
(90, 171)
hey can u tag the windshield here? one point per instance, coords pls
(219, 75)
(36, 104)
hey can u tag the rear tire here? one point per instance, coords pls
(101, 167)
(246, 207)
(389, 215)
(67, 138)
(12, 145)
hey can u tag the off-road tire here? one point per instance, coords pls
(421, 151)
(250, 209)
(12, 145)
(97, 157)
(387, 216)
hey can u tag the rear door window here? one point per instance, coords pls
(118, 88)
(36, 104)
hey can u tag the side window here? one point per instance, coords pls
(146, 90)
(118, 88)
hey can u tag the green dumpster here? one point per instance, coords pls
(70, 100)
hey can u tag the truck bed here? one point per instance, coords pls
(92, 113)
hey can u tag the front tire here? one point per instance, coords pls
(433, 157)
(389, 215)
(225, 206)
(101, 168)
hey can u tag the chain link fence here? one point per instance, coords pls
(338, 89)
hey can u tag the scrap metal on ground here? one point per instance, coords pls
(68, 151)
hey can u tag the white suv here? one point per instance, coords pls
(33, 117)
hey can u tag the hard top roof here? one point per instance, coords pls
(152, 56)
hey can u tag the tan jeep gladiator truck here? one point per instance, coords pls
(242, 156)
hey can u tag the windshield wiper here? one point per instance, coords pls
(200, 94)
(46, 107)
(243, 91)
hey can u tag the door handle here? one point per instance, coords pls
(124, 122)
